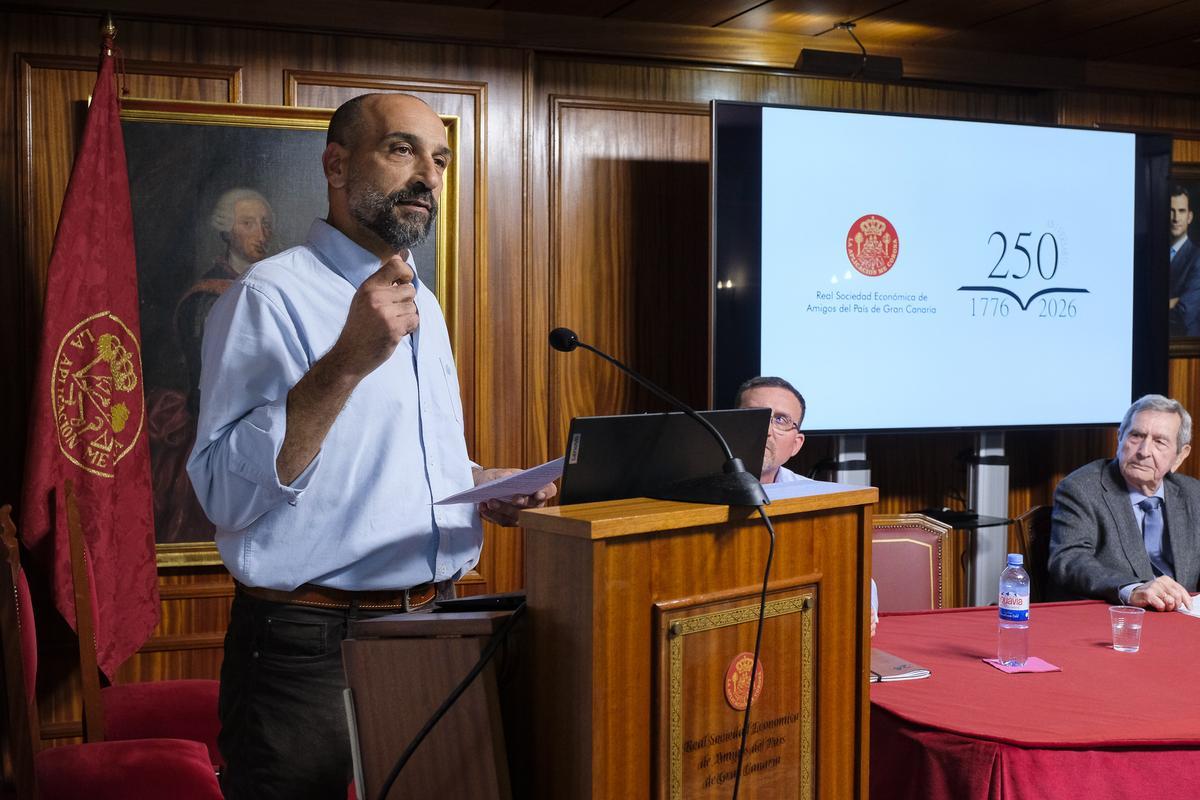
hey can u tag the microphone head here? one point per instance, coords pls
(563, 339)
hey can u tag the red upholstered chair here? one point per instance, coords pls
(1030, 536)
(176, 769)
(171, 709)
(911, 562)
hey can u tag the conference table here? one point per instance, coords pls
(1108, 725)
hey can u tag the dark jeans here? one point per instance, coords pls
(283, 720)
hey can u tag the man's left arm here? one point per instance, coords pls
(506, 512)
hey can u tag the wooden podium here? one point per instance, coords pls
(642, 614)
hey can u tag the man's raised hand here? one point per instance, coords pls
(383, 311)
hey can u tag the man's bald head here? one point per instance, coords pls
(350, 120)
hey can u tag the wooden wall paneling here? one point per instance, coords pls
(567, 76)
(386, 18)
(1186, 150)
(629, 265)
(1038, 460)
(913, 471)
(189, 638)
(540, 317)
(503, 300)
(552, 31)
(1134, 110)
(1184, 382)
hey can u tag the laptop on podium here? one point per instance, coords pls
(644, 455)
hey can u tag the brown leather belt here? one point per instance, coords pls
(325, 597)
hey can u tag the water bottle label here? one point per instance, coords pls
(1014, 607)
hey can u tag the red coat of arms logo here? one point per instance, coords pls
(98, 407)
(737, 681)
(872, 245)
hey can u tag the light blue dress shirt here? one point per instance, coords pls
(361, 515)
(785, 475)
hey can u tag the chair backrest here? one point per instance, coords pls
(1030, 536)
(85, 621)
(910, 562)
(20, 658)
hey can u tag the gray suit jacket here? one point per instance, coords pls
(1096, 546)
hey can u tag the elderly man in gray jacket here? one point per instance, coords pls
(1127, 530)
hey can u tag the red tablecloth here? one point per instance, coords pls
(1109, 725)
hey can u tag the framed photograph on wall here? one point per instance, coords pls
(1184, 222)
(214, 188)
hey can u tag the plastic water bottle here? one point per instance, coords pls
(1013, 649)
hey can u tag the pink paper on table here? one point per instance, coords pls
(1033, 664)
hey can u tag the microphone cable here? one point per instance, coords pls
(762, 613)
(493, 644)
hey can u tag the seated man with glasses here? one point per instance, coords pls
(787, 412)
(784, 438)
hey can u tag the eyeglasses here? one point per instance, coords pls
(782, 423)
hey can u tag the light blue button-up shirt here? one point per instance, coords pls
(361, 515)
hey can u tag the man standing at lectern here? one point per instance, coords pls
(330, 420)
(1127, 530)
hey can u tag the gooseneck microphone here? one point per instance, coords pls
(735, 487)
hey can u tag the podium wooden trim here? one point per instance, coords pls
(594, 575)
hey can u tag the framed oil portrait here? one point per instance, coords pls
(1184, 222)
(214, 188)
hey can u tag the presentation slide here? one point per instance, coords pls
(922, 273)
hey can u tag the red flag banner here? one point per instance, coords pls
(88, 412)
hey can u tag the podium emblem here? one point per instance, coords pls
(737, 681)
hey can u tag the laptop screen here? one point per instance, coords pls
(640, 455)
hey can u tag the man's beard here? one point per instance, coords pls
(376, 212)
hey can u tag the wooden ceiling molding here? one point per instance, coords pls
(1038, 44)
